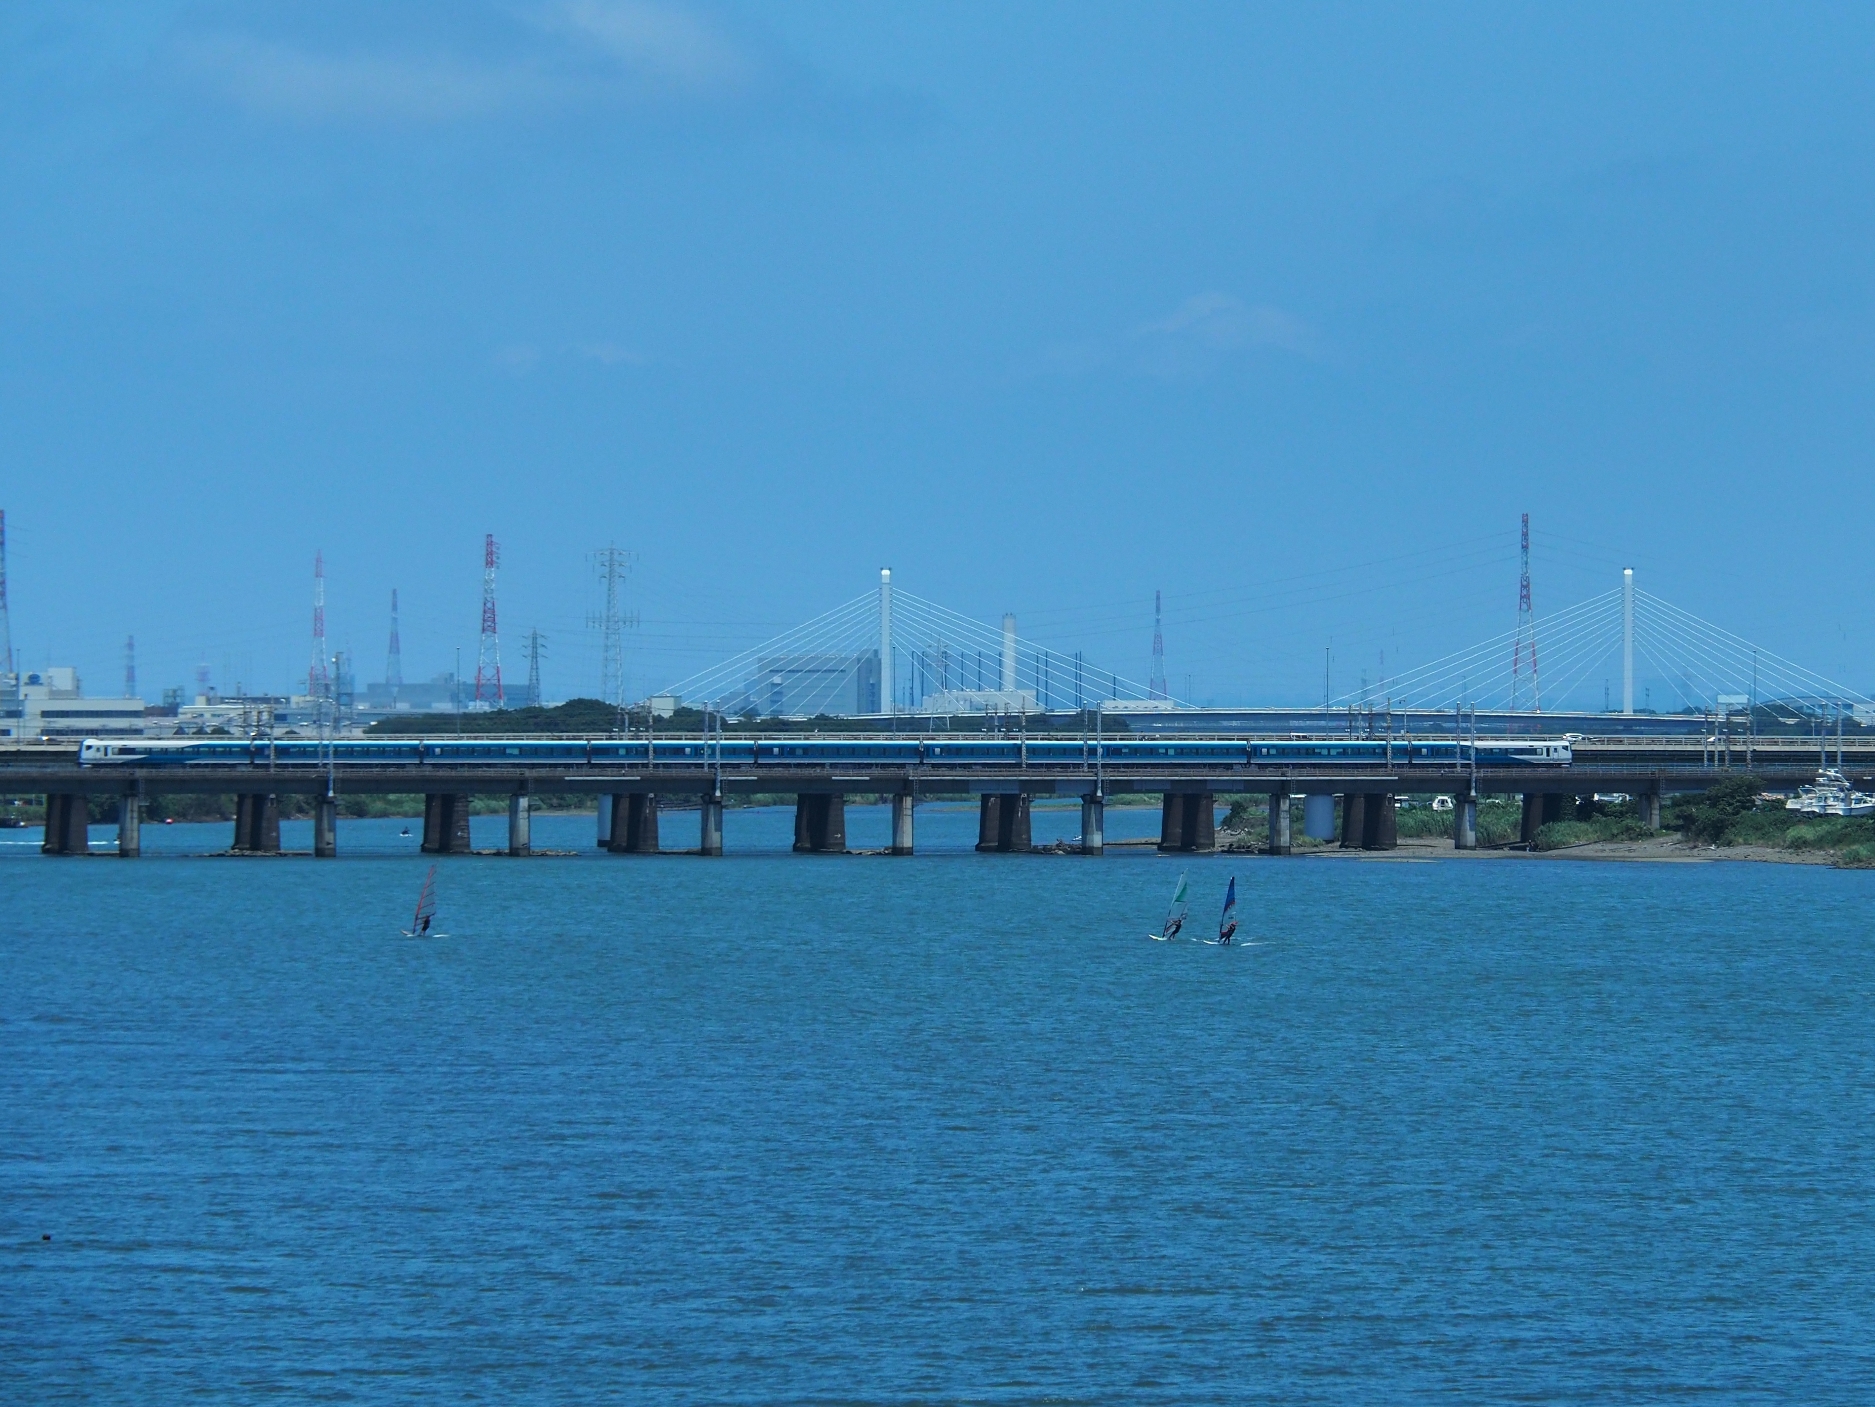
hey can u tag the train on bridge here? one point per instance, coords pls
(796, 752)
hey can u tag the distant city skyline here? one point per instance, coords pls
(1288, 314)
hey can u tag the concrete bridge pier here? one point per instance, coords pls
(1188, 821)
(1003, 823)
(1353, 820)
(820, 823)
(325, 827)
(1280, 842)
(634, 824)
(1093, 824)
(1650, 809)
(445, 824)
(710, 826)
(256, 824)
(1380, 823)
(901, 823)
(130, 824)
(520, 823)
(1464, 821)
(1540, 808)
(605, 820)
(68, 820)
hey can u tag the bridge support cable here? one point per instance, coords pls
(939, 656)
(847, 629)
(1730, 663)
(1577, 661)
(1477, 672)
(957, 654)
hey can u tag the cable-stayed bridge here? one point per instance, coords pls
(889, 653)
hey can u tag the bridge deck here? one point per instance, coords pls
(1604, 774)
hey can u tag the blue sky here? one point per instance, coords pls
(1286, 311)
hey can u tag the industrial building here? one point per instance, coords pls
(51, 704)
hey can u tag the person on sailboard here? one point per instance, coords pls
(1174, 917)
(1227, 922)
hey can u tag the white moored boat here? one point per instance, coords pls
(1831, 795)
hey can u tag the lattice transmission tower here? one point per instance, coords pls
(1155, 687)
(488, 654)
(1526, 634)
(613, 565)
(536, 647)
(318, 675)
(394, 657)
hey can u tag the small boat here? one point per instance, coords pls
(1831, 795)
(426, 910)
(1174, 916)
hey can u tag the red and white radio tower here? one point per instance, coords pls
(1526, 633)
(1155, 688)
(318, 677)
(488, 659)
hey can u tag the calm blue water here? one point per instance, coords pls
(792, 1129)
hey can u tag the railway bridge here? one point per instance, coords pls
(626, 798)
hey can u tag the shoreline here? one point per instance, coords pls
(1660, 850)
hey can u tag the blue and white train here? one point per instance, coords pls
(962, 753)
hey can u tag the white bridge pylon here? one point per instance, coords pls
(888, 651)
(1703, 666)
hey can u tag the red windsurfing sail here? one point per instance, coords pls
(426, 906)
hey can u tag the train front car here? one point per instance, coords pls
(1522, 752)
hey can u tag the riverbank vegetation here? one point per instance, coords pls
(1734, 813)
